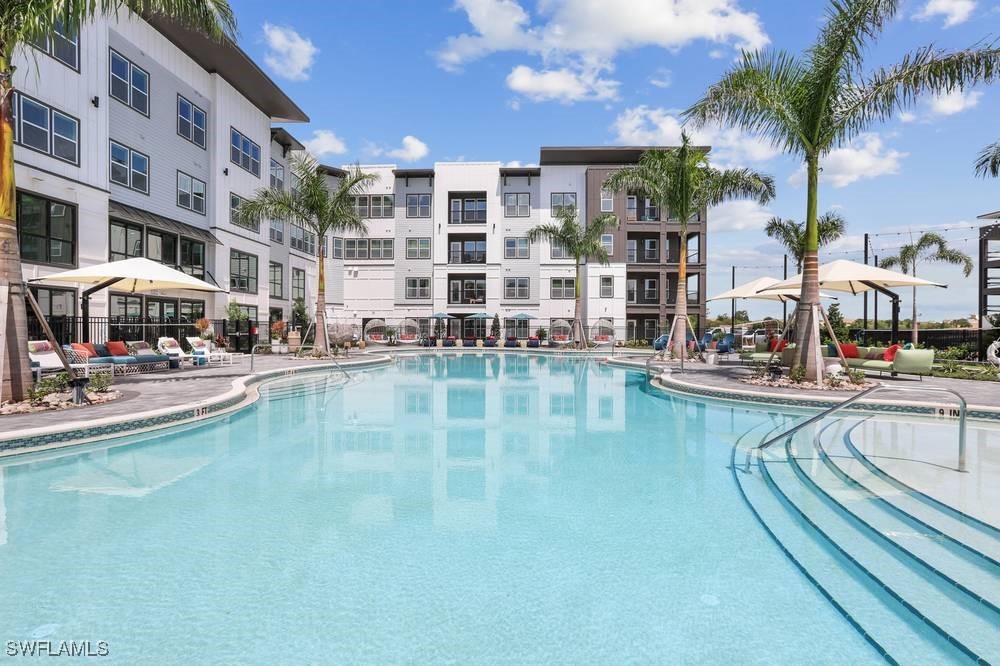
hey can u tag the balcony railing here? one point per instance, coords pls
(467, 299)
(466, 257)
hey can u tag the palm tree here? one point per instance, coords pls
(580, 243)
(811, 103)
(309, 203)
(929, 247)
(792, 234)
(988, 162)
(22, 23)
(681, 182)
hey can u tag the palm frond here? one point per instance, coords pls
(789, 233)
(831, 226)
(988, 161)
(272, 204)
(952, 256)
(729, 184)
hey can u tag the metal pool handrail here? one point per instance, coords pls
(854, 398)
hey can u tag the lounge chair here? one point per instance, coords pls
(449, 341)
(726, 346)
(469, 342)
(660, 343)
(490, 342)
(173, 349)
(534, 342)
(429, 341)
(44, 359)
(993, 354)
(510, 342)
(201, 347)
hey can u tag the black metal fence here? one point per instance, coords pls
(241, 335)
(937, 338)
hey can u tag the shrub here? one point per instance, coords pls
(52, 384)
(856, 376)
(956, 353)
(797, 374)
(758, 369)
(541, 334)
(100, 382)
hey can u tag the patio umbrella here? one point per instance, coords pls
(479, 315)
(855, 278)
(520, 316)
(753, 289)
(440, 315)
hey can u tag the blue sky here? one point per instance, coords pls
(418, 82)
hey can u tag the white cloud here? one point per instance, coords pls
(289, 54)
(738, 215)
(866, 157)
(324, 142)
(907, 117)
(411, 150)
(953, 11)
(956, 101)
(577, 40)
(514, 104)
(717, 54)
(560, 85)
(649, 126)
(661, 78)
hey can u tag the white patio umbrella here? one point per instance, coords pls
(852, 277)
(752, 289)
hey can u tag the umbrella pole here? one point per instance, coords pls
(85, 305)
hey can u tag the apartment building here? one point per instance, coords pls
(138, 138)
(453, 239)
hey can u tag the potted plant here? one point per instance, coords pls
(278, 329)
(390, 336)
(204, 327)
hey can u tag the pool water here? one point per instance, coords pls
(466, 508)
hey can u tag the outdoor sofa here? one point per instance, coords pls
(117, 353)
(876, 359)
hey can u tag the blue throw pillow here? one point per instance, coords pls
(831, 349)
(101, 350)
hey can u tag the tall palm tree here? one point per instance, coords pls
(681, 182)
(792, 234)
(21, 23)
(580, 243)
(809, 104)
(988, 161)
(311, 204)
(929, 247)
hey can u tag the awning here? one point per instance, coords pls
(126, 213)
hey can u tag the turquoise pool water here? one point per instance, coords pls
(469, 509)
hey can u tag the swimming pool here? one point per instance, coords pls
(467, 508)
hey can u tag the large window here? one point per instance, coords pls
(338, 247)
(193, 258)
(608, 241)
(515, 288)
(418, 288)
(516, 327)
(301, 239)
(190, 192)
(355, 248)
(516, 248)
(55, 302)
(651, 249)
(607, 201)
(557, 251)
(418, 205)
(298, 284)
(381, 248)
(161, 247)
(650, 291)
(129, 168)
(235, 201)
(563, 288)
(46, 230)
(191, 121)
(561, 201)
(382, 205)
(129, 83)
(516, 204)
(418, 248)
(470, 210)
(45, 129)
(276, 279)
(242, 272)
(62, 44)
(360, 205)
(607, 286)
(467, 291)
(191, 311)
(125, 240)
(243, 152)
(277, 231)
(277, 175)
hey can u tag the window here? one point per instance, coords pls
(125, 240)
(355, 248)
(191, 311)
(360, 206)
(607, 286)
(608, 241)
(62, 44)
(129, 83)
(516, 327)
(129, 168)
(631, 202)
(650, 290)
(516, 288)
(235, 201)
(467, 252)
(630, 291)
(557, 251)
(631, 250)
(516, 248)
(561, 201)
(418, 248)
(651, 249)
(607, 201)
(418, 287)
(277, 232)
(338, 248)
(193, 258)
(470, 210)
(418, 205)
(277, 175)
(45, 129)
(382, 205)
(191, 121)
(161, 247)
(55, 302)
(243, 152)
(649, 328)
(469, 291)
(563, 288)
(381, 248)
(516, 204)
(274, 279)
(46, 230)
(301, 239)
(649, 212)
(190, 193)
(298, 284)
(242, 272)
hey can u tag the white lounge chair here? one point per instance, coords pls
(993, 354)
(173, 349)
(204, 347)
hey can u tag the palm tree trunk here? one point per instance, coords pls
(681, 302)
(806, 339)
(579, 334)
(15, 368)
(322, 336)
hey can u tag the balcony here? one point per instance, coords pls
(467, 208)
(464, 249)
(467, 289)
(643, 249)
(640, 209)
(643, 289)
(467, 257)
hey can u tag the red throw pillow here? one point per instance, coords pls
(117, 348)
(849, 351)
(777, 346)
(81, 349)
(890, 353)
(89, 346)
